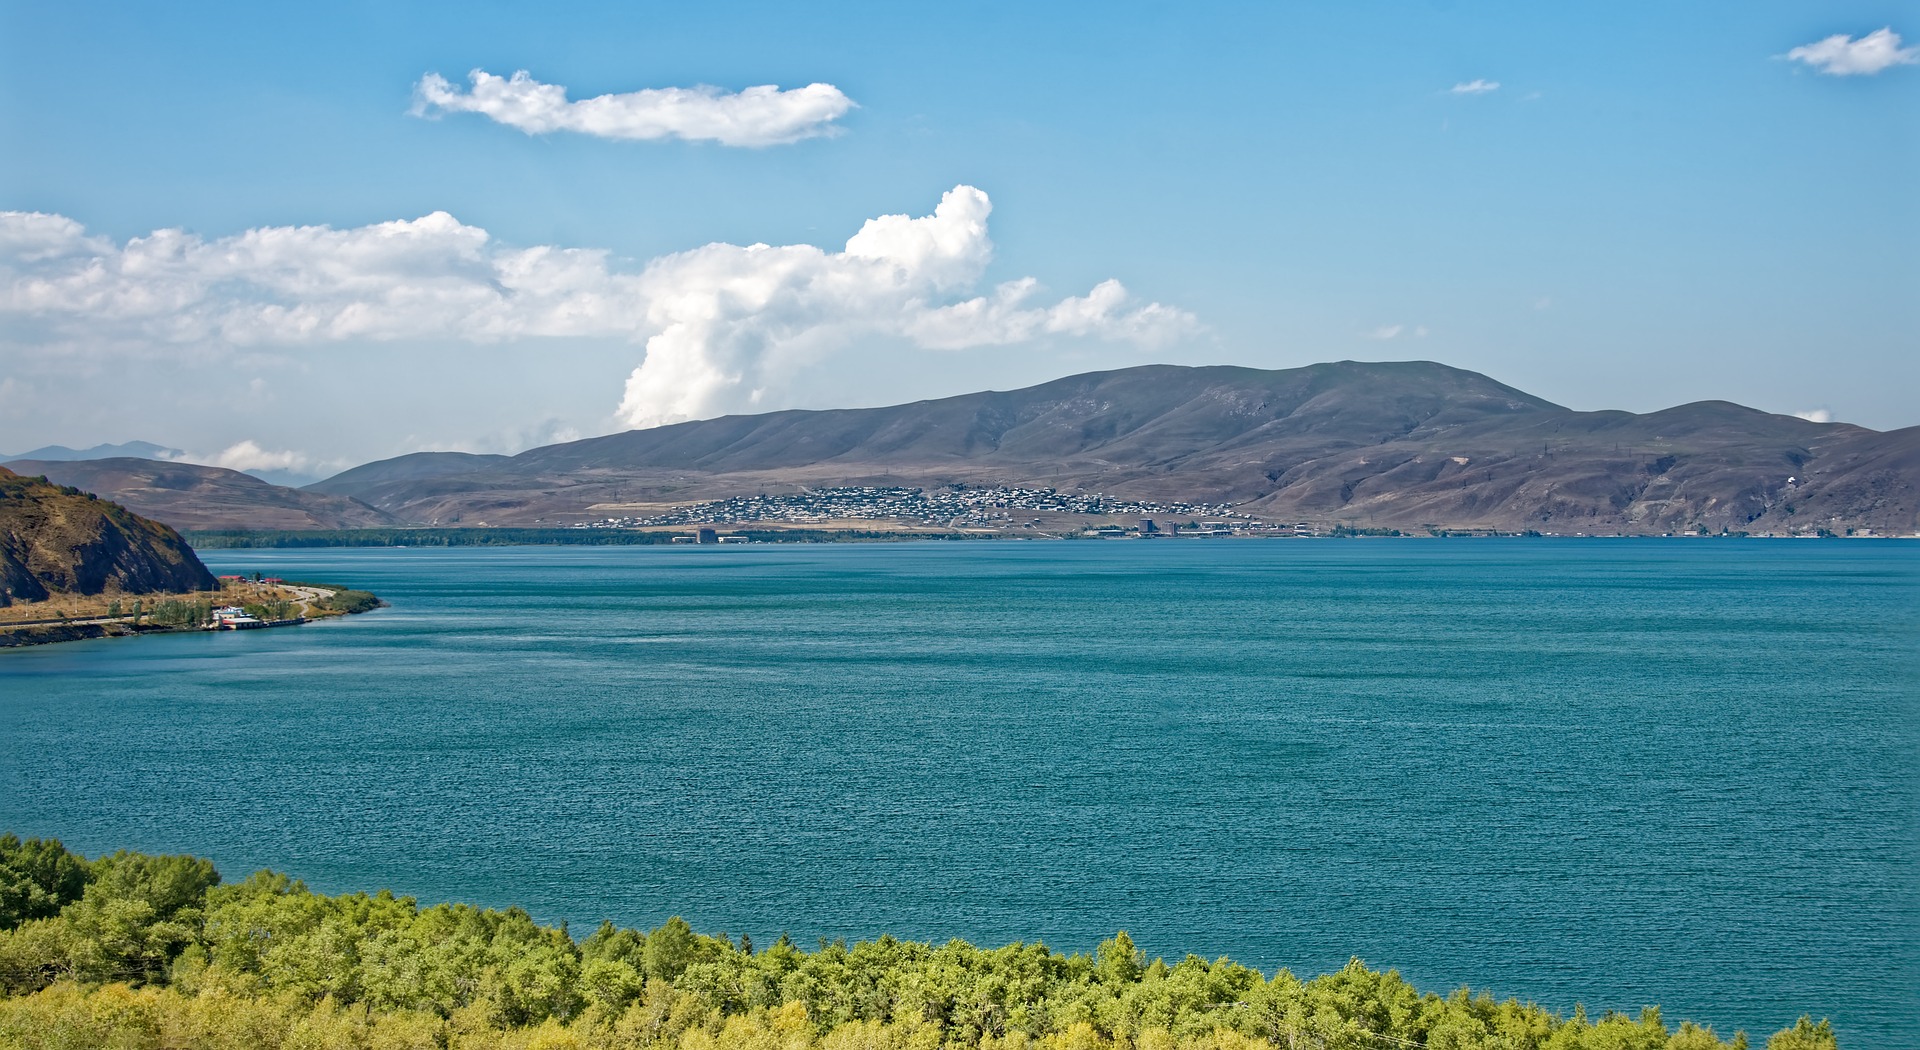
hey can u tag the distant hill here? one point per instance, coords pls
(148, 450)
(1403, 445)
(58, 540)
(130, 449)
(188, 496)
(395, 479)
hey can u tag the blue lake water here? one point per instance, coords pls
(1606, 772)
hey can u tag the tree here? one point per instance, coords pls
(38, 877)
(670, 949)
(1804, 1035)
(1119, 962)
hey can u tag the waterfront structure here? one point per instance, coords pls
(234, 618)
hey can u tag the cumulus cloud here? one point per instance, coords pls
(1474, 87)
(731, 320)
(757, 116)
(722, 324)
(248, 455)
(1816, 415)
(1842, 56)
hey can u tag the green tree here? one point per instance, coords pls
(1119, 961)
(670, 949)
(137, 912)
(38, 877)
(1804, 1035)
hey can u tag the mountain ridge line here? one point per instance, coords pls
(1414, 444)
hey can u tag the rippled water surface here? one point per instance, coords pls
(1608, 772)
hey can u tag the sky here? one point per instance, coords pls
(303, 237)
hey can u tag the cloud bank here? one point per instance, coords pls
(757, 116)
(721, 324)
(249, 456)
(1842, 56)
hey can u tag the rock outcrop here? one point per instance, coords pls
(59, 540)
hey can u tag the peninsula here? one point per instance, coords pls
(75, 566)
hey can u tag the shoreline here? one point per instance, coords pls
(314, 602)
(732, 535)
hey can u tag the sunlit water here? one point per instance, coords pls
(1609, 772)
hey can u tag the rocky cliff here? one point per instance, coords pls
(55, 539)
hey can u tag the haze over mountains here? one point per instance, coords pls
(1389, 445)
(189, 496)
(149, 450)
(125, 450)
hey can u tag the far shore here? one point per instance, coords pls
(885, 532)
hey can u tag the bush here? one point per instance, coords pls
(351, 601)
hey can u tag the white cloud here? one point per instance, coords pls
(757, 116)
(1841, 56)
(1816, 415)
(730, 320)
(248, 455)
(1474, 87)
(722, 324)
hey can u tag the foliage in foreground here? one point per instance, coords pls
(140, 951)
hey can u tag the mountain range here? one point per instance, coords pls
(1368, 445)
(125, 450)
(149, 450)
(189, 496)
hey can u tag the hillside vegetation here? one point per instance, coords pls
(137, 951)
(59, 540)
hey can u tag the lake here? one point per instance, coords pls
(1612, 772)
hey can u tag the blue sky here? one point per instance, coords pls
(1652, 207)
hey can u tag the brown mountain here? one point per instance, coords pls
(1405, 444)
(188, 496)
(55, 539)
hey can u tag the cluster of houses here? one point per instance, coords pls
(953, 506)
